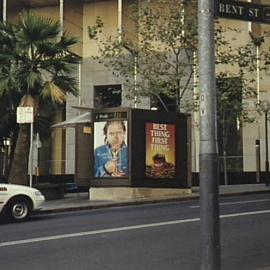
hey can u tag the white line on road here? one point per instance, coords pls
(127, 228)
(232, 203)
(63, 236)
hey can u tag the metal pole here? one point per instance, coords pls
(266, 144)
(196, 114)
(31, 156)
(61, 17)
(4, 10)
(4, 169)
(119, 11)
(209, 180)
(135, 81)
(80, 83)
(258, 72)
(258, 161)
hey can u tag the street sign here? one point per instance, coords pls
(25, 115)
(243, 11)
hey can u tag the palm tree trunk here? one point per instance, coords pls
(19, 168)
(13, 141)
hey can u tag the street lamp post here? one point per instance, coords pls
(265, 106)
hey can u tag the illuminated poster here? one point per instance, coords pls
(110, 149)
(160, 150)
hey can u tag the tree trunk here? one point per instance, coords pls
(19, 168)
(13, 141)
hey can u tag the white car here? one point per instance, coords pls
(17, 202)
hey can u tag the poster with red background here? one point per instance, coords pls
(160, 150)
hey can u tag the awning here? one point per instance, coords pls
(84, 118)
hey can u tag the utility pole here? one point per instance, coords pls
(209, 180)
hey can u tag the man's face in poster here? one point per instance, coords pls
(115, 135)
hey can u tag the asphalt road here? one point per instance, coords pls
(157, 236)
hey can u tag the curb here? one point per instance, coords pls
(115, 204)
(140, 202)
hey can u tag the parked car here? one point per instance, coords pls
(18, 202)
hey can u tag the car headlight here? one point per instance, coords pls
(38, 193)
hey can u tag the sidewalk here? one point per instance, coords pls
(80, 201)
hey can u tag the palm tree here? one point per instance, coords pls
(36, 63)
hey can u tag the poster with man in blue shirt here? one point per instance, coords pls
(111, 151)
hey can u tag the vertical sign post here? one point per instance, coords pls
(209, 207)
(31, 155)
(26, 115)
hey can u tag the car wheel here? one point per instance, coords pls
(18, 209)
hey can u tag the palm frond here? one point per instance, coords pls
(32, 28)
(67, 84)
(53, 92)
(35, 60)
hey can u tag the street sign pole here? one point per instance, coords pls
(25, 115)
(209, 207)
(31, 155)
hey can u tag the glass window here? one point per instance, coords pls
(107, 96)
(229, 107)
(163, 103)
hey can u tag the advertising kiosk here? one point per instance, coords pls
(139, 148)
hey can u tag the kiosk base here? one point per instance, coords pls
(131, 193)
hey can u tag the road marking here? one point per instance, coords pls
(127, 228)
(71, 235)
(232, 203)
(245, 214)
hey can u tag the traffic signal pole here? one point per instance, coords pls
(209, 206)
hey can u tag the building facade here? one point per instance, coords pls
(98, 87)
